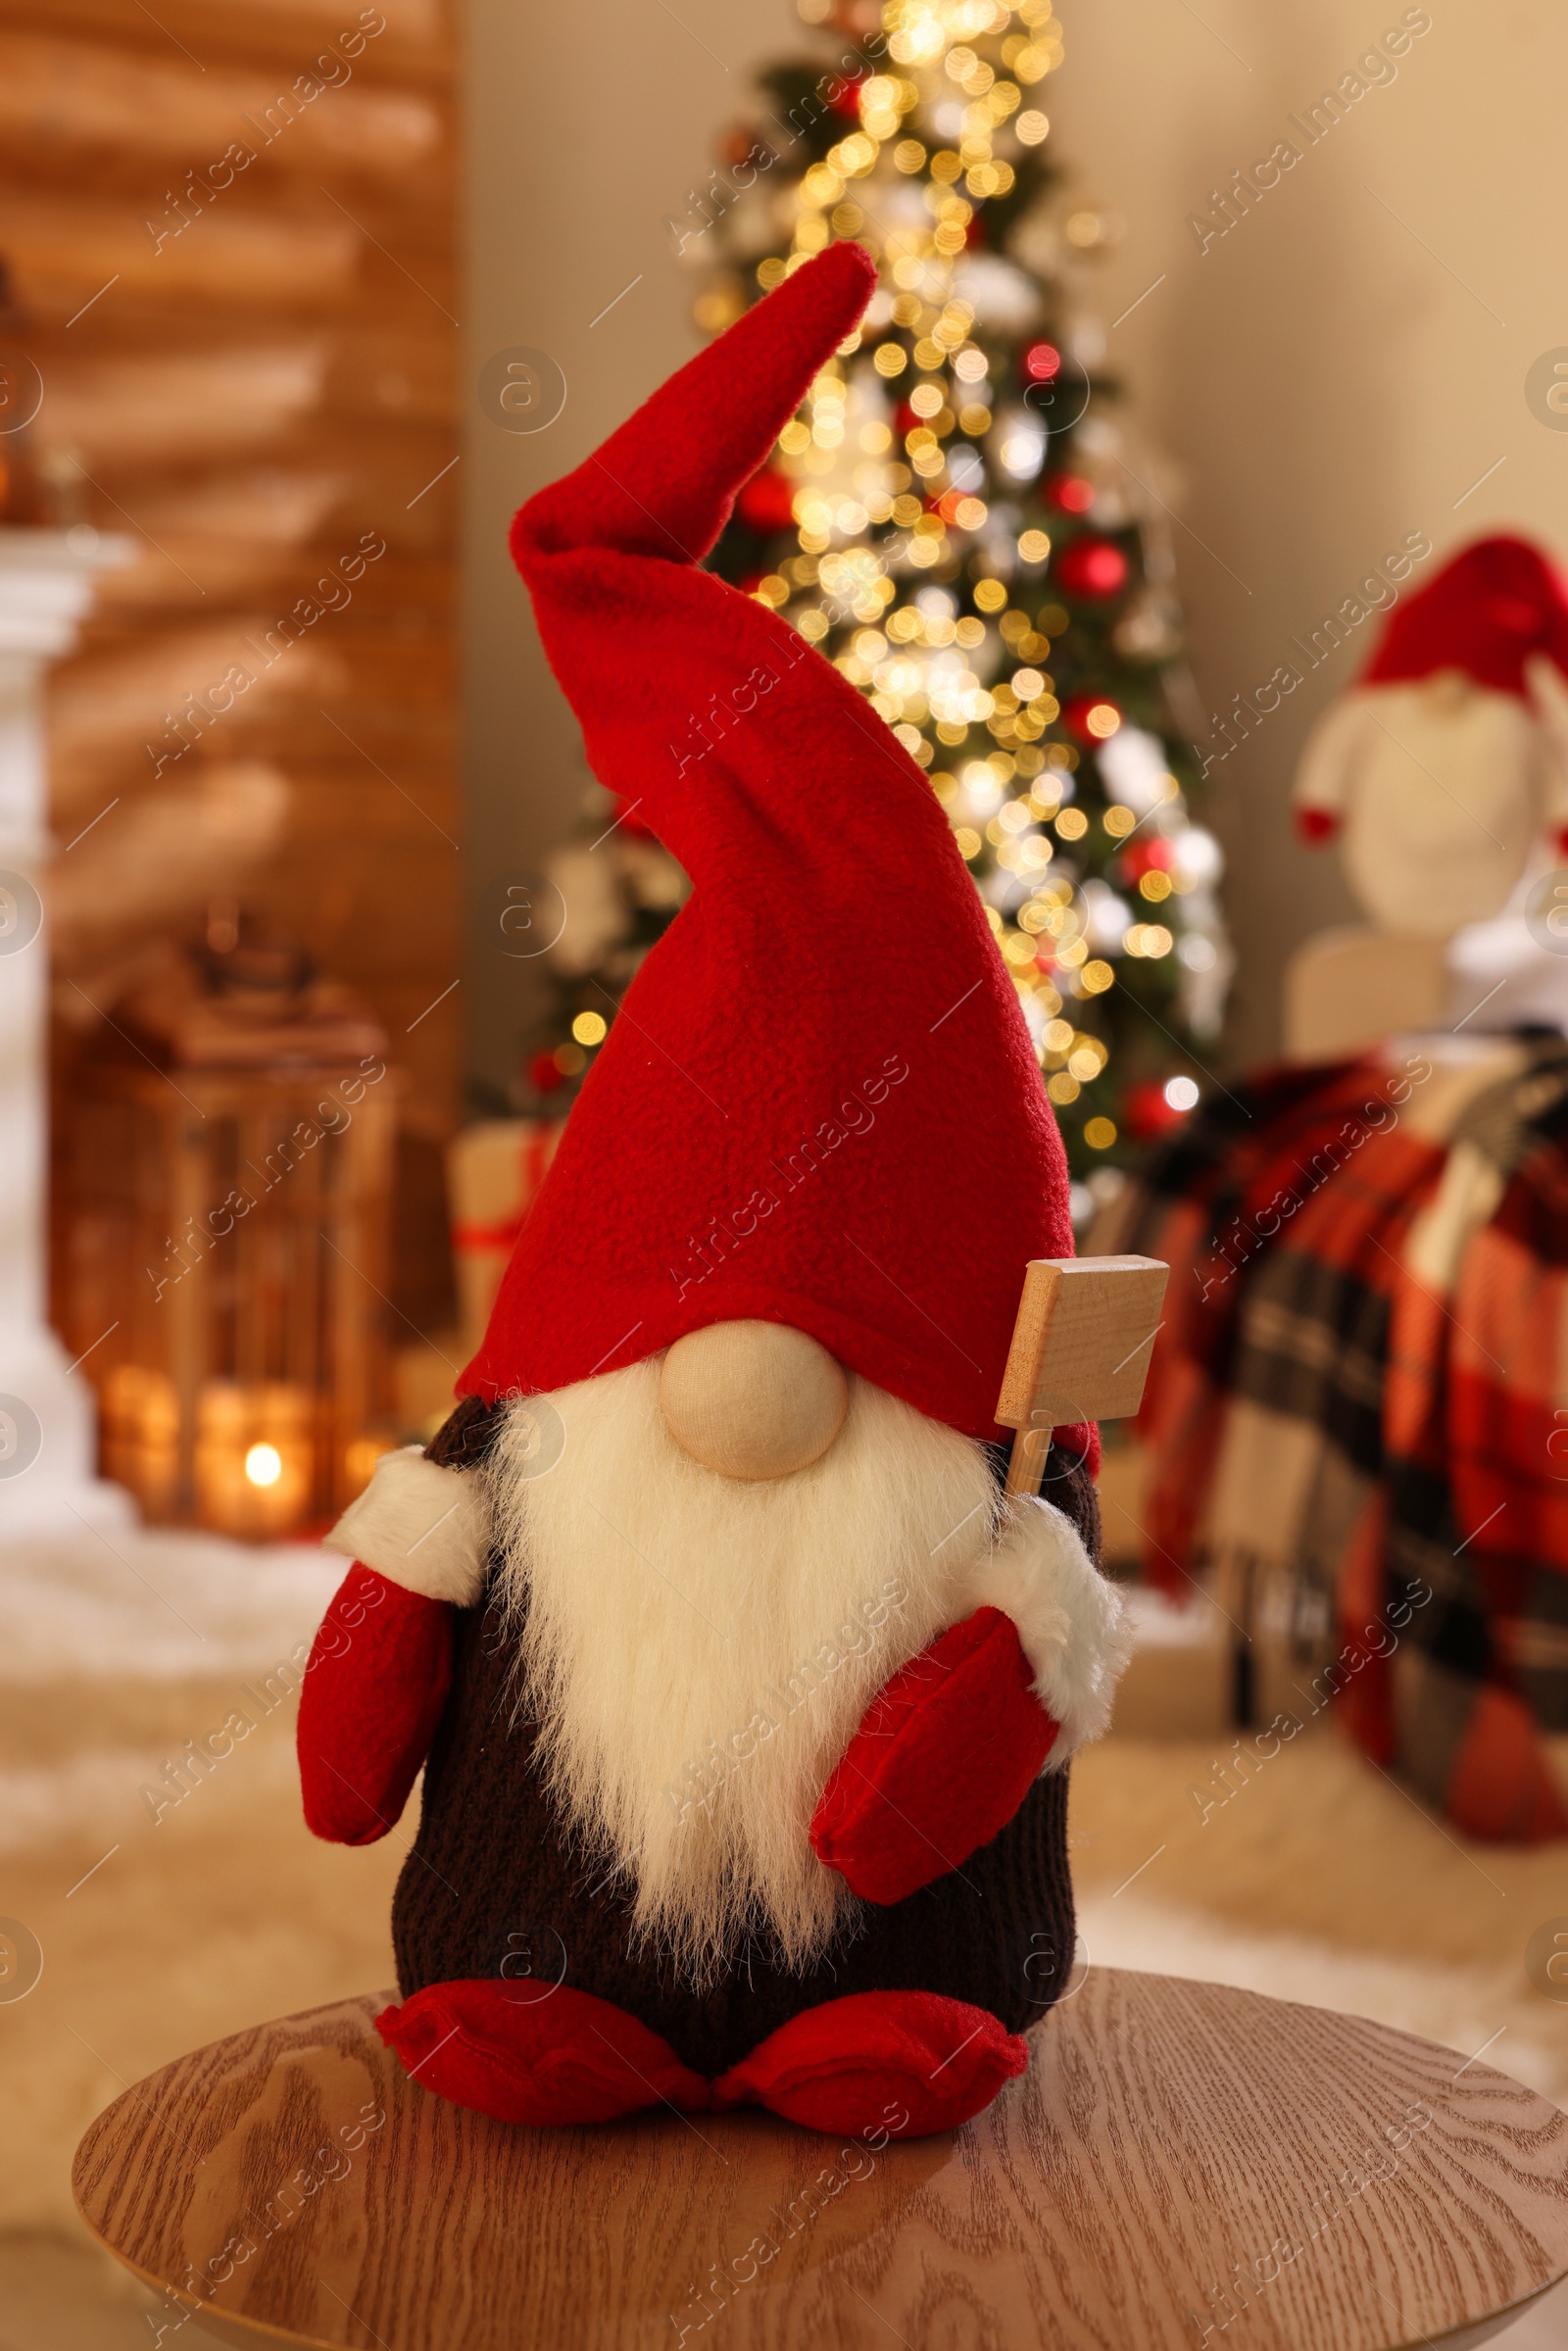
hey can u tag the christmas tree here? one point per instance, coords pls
(954, 522)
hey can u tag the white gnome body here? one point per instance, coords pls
(1442, 787)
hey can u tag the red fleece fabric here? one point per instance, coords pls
(909, 2063)
(946, 1754)
(905, 2063)
(373, 1691)
(562, 2057)
(1487, 611)
(780, 1126)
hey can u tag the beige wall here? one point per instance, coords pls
(1324, 379)
(1326, 376)
(586, 130)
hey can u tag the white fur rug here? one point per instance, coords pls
(157, 1933)
(1321, 1881)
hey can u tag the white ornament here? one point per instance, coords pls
(1001, 294)
(1135, 768)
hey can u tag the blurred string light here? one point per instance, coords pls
(949, 519)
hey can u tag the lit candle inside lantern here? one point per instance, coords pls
(263, 1465)
(254, 1456)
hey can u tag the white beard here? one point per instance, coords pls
(699, 1651)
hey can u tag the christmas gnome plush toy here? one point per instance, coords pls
(1449, 761)
(742, 1691)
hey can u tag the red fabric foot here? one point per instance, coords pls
(905, 2062)
(945, 1756)
(373, 1691)
(566, 2057)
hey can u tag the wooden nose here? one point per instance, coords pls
(753, 1400)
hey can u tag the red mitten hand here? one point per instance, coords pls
(374, 1693)
(944, 1758)
(1314, 827)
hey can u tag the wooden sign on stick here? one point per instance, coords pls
(1080, 1350)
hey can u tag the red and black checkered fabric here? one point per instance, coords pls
(1417, 1421)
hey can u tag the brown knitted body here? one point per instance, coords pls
(494, 1877)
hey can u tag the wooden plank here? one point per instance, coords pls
(114, 702)
(1179, 2160)
(62, 98)
(394, 815)
(163, 318)
(150, 856)
(176, 577)
(62, 252)
(416, 40)
(1080, 1345)
(151, 409)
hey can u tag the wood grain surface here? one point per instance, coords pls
(1081, 1344)
(1182, 2165)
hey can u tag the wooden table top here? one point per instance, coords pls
(1180, 2164)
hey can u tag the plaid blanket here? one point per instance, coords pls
(1358, 1409)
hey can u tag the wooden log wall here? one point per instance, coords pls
(228, 229)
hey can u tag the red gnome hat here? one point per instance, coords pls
(1487, 610)
(819, 1103)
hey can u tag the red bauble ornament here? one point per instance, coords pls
(1153, 854)
(1144, 1112)
(766, 502)
(1042, 363)
(1069, 493)
(1091, 717)
(1316, 825)
(543, 1074)
(1092, 567)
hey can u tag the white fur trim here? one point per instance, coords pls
(421, 1526)
(1070, 1618)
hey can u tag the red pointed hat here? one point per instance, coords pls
(1487, 611)
(819, 1103)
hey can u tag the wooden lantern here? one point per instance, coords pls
(225, 1268)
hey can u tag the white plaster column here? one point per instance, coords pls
(48, 1484)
